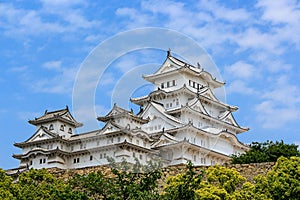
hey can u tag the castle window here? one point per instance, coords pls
(30, 163)
(168, 84)
(51, 127)
(162, 85)
(141, 157)
(91, 157)
(42, 161)
(104, 155)
(62, 128)
(174, 82)
(70, 130)
(190, 83)
(133, 154)
(72, 148)
(101, 156)
(119, 139)
(76, 160)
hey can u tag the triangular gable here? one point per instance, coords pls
(110, 127)
(140, 133)
(208, 94)
(164, 139)
(168, 65)
(158, 124)
(230, 120)
(41, 134)
(116, 110)
(196, 105)
(154, 111)
(68, 116)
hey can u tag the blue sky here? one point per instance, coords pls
(254, 44)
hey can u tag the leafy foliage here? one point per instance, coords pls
(7, 188)
(283, 181)
(129, 182)
(40, 184)
(266, 152)
(183, 186)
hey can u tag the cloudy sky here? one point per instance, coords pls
(44, 45)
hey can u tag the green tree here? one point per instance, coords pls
(39, 184)
(183, 186)
(266, 152)
(283, 181)
(127, 182)
(225, 183)
(8, 189)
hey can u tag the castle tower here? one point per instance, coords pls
(186, 116)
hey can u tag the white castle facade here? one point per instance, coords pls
(180, 121)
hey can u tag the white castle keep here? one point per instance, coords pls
(180, 121)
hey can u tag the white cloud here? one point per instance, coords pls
(107, 79)
(280, 104)
(54, 17)
(284, 17)
(273, 116)
(27, 115)
(223, 13)
(241, 70)
(62, 3)
(53, 65)
(280, 11)
(137, 19)
(126, 64)
(62, 83)
(239, 86)
(18, 69)
(283, 92)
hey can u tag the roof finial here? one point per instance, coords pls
(198, 64)
(169, 52)
(46, 111)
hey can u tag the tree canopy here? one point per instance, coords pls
(266, 152)
(128, 182)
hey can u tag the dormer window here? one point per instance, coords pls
(70, 130)
(62, 128)
(51, 127)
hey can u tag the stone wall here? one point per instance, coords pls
(249, 171)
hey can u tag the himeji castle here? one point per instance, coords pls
(180, 120)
